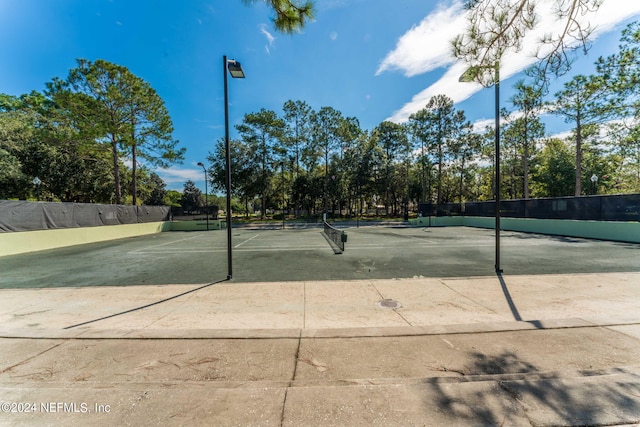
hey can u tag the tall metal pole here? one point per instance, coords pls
(470, 75)
(227, 166)
(206, 199)
(497, 168)
(283, 195)
(206, 194)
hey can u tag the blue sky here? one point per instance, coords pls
(372, 59)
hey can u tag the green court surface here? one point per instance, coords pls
(272, 255)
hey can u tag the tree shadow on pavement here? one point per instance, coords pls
(523, 235)
(504, 389)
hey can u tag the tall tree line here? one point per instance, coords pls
(320, 161)
(83, 138)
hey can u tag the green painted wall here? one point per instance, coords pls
(437, 221)
(604, 230)
(12, 243)
(197, 225)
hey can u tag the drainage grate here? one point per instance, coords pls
(389, 303)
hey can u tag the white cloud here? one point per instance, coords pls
(270, 38)
(561, 135)
(604, 130)
(174, 175)
(427, 47)
(480, 126)
(448, 85)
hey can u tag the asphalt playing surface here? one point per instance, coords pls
(265, 255)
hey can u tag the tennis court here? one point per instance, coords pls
(265, 255)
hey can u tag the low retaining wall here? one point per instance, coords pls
(437, 221)
(603, 230)
(13, 243)
(214, 224)
(31, 241)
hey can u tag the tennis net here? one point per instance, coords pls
(338, 237)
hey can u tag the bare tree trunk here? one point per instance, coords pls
(525, 165)
(578, 157)
(134, 186)
(116, 169)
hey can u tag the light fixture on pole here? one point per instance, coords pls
(594, 180)
(236, 71)
(469, 76)
(206, 194)
(36, 181)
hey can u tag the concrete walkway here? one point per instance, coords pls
(511, 350)
(370, 307)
